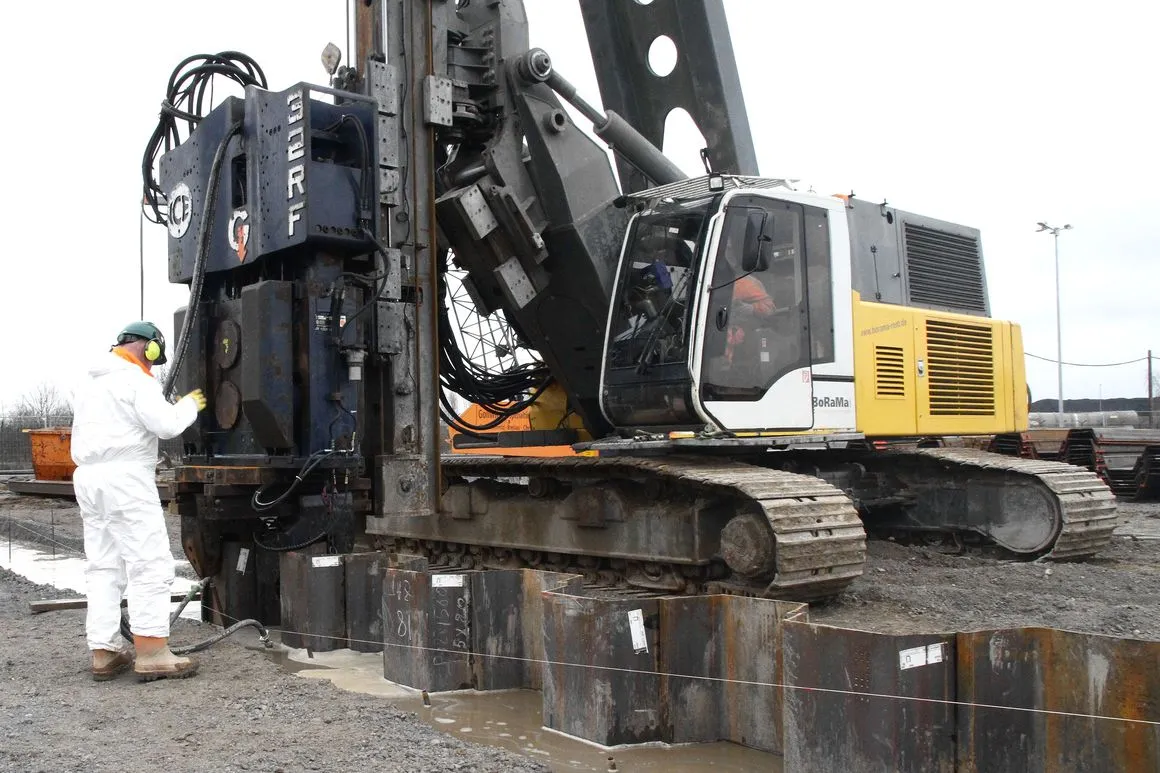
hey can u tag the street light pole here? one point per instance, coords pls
(1058, 327)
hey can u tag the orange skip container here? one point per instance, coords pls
(51, 453)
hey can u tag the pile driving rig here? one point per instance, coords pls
(729, 442)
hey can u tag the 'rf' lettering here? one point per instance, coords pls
(296, 176)
(295, 151)
(294, 216)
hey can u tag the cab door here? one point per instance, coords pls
(753, 365)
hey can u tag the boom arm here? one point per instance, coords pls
(528, 204)
(704, 81)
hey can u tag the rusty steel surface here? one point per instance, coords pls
(1026, 700)
(1114, 453)
(601, 681)
(668, 669)
(426, 630)
(1032, 444)
(1147, 474)
(364, 600)
(620, 666)
(227, 405)
(313, 597)
(222, 474)
(840, 709)
(464, 629)
(245, 584)
(364, 595)
(64, 488)
(1074, 697)
(507, 626)
(721, 668)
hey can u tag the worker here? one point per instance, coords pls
(750, 303)
(119, 413)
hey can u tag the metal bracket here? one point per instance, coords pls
(478, 213)
(390, 327)
(393, 282)
(384, 86)
(437, 109)
(514, 281)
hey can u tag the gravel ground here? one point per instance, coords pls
(244, 713)
(909, 589)
(240, 713)
(919, 590)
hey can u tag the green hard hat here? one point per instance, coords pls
(149, 332)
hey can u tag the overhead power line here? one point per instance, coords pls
(1091, 364)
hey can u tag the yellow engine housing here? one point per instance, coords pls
(923, 372)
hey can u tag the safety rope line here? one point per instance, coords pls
(701, 677)
(744, 682)
(43, 539)
(1090, 364)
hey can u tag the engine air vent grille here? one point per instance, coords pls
(960, 369)
(889, 377)
(944, 270)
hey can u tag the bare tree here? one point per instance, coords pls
(44, 402)
(1152, 417)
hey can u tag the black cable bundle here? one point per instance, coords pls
(501, 394)
(185, 102)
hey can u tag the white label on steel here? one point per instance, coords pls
(912, 658)
(447, 581)
(323, 561)
(934, 653)
(636, 628)
(243, 559)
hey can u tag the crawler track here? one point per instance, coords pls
(696, 524)
(795, 537)
(1085, 508)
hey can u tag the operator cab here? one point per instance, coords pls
(723, 303)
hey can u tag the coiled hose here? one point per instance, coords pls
(201, 259)
(263, 634)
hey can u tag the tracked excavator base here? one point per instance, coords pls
(784, 524)
(685, 525)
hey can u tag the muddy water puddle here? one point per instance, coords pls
(512, 720)
(66, 571)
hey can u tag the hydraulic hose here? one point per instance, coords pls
(263, 634)
(201, 258)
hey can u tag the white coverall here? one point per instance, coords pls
(119, 413)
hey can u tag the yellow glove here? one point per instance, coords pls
(198, 399)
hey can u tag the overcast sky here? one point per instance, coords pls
(995, 115)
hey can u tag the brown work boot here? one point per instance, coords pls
(155, 661)
(107, 663)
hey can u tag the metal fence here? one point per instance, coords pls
(16, 443)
